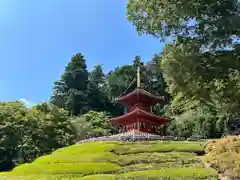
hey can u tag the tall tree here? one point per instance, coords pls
(97, 75)
(98, 99)
(71, 91)
(156, 81)
(59, 96)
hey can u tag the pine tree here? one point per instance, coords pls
(71, 91)
(97, 75)
(97, 97)
(59, 96)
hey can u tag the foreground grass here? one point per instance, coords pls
(116, 160)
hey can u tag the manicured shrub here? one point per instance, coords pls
(67, 168)
(161, 146)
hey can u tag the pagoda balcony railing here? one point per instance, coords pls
(144, 108)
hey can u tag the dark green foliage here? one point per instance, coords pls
(97, 97)
(205, 85)
(11, 130)
(70, 92)
(75, 78)
(97, 91)
(122, 80)
(59, 96)
(29, 133)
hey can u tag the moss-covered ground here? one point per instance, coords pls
(117, 160)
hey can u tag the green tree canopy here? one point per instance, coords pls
(97, 95)
(213, 23)
(70, 91)
(29, 133)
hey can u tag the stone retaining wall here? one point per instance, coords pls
(139, 136)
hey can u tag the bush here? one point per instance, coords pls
(93, 124)
(66, 168)
(161, 146)
(224, 155)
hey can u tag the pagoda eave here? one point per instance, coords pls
(139, 95)
(139, 114)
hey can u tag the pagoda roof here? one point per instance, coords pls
(138, 113)
(139, 95)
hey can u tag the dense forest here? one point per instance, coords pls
(198, 74)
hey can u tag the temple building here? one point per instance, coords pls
(139, 117)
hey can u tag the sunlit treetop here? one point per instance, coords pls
(212, 22)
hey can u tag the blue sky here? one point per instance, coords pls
(38, 38)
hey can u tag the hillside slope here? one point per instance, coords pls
(117, 160)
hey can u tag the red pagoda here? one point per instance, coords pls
(139, 117)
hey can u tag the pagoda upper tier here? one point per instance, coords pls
(140, 96)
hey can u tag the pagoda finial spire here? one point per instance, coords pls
(138, 77)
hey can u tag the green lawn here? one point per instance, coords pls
(117, 160)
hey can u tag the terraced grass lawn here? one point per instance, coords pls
(118, 161)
